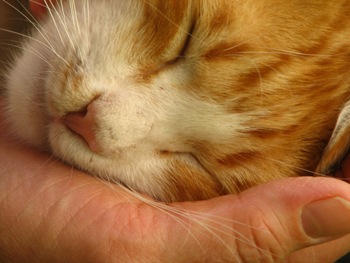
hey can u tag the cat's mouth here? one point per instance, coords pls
(163, 174)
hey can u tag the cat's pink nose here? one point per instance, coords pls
(83, 124)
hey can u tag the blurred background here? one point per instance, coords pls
(10, 19)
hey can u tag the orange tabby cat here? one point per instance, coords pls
(187, 100)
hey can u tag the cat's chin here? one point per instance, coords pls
(156, 173)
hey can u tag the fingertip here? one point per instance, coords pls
(326, 218)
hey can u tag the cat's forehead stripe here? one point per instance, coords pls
(160, 23)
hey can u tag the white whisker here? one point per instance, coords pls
(32, 21)
(86, 14)
(64, 22)
(88, 17)
(54, 21)
(35, 40)
(294, 167)
(213, 225)
(76, 17)
(34, 52)
(285, 52)
(25, 36)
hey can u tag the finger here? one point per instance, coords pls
(271, 221)
(327, 252)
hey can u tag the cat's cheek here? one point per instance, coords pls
(131, 169)
(27, 113)
(64, 144)
(26, 95)
(32, 130)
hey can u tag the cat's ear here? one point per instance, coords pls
(39, 8)
(338, 146)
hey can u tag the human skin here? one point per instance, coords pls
(50, 212)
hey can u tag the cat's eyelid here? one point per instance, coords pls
(187, 41)
(184, 48)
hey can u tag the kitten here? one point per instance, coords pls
(187, 100)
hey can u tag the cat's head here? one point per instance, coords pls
(181, 100)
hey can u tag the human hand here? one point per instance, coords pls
(52, 213)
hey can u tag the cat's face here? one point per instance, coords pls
(181, 100)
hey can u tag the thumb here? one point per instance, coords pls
(268, 223)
